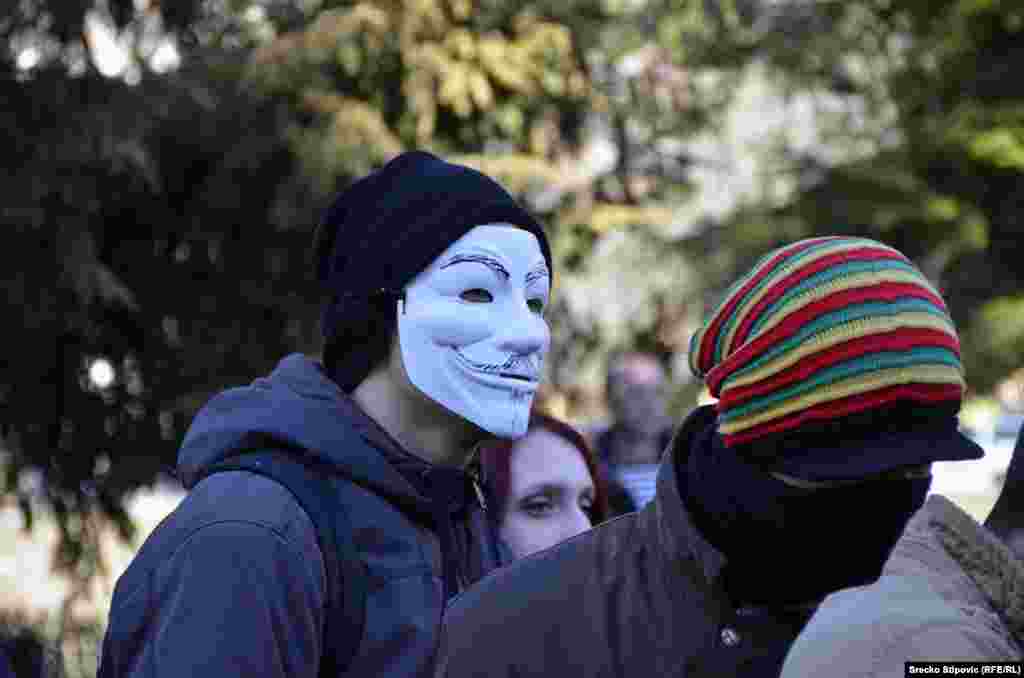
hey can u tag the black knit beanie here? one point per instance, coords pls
(380, 233)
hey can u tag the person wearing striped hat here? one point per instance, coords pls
(837, 376)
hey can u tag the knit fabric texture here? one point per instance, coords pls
(823, 329)
(390, 225)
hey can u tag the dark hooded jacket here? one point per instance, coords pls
(233, 583)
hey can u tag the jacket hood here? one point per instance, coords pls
(679, 535)
(299, 409)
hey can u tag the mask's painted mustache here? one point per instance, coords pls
(516, 367)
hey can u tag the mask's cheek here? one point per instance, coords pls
(449, 323)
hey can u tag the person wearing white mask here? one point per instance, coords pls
(330, 513)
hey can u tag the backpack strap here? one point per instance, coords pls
(312, 484)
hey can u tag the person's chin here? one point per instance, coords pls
(503, 427)
(491, 412)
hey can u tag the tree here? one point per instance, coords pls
(930, 129)
(528, 92)
(158, 219)
(141, 237)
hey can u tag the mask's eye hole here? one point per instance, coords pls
(477, 296)
(535, 305)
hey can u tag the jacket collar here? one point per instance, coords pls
(679, 537)
(454, 487)
(974, 563)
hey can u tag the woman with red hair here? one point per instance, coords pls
(546, 486)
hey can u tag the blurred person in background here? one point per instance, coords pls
(640, 430)
(837, 374)
(24, 654)
(330, 516)
(546, 486)
(1006, 519)
(952, 590)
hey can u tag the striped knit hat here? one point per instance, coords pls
(827, 331)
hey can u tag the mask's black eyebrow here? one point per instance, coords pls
(489, 262)
(538, 272)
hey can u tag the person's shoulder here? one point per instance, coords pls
(860, 628)
(872, 630)
(558, 607)
(260, 512)
(893, 602)
(551, 578)
(243, 497)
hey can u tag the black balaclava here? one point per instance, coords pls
(790, 545)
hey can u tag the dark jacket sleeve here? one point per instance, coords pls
(457, 658)
(5, 666)
(235, 599)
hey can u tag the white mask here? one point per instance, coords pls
(471, 330)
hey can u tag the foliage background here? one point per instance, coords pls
(166, 163)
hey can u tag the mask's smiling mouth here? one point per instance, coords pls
(521, 377)
(516, 368)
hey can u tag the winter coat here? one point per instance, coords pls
(640, 595)
(951, 590)
(243, 593)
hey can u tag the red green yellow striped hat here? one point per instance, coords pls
(822, 330)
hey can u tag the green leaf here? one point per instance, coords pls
(1002, 147)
